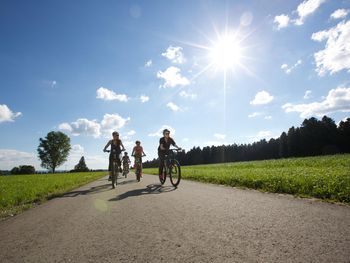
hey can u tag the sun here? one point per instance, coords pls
(226, 53)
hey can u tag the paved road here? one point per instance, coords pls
(143, 222)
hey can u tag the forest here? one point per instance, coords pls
(314, 137)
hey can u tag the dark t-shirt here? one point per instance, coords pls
(116, 147)
(166, 144)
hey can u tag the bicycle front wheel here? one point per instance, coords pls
(175, 173)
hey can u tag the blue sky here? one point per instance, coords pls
(214, 72)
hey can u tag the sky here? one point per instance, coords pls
(213, 72)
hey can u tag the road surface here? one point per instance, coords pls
(144, 222)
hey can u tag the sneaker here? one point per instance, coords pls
(113, 186)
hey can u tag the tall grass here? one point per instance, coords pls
(18, 192)
(325, 177)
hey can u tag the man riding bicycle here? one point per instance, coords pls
(163, 149)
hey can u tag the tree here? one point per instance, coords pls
(81, 166)
(53, 150)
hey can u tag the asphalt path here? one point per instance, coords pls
(147, 222)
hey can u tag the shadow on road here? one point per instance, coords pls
(92, 190)
(150, 189)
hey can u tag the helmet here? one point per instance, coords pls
(115, 133)
(125, 153)
(137, 142)
(165, 131)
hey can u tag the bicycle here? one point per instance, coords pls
(115, 167)
(138, 167)
(125, 169)
(172, 168)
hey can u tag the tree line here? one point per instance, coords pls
(314, 137)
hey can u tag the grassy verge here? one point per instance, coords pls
(324, 177)
(19, 192)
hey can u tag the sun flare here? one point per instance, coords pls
(226, 53)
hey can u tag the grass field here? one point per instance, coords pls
(325, 177)
(19, 192)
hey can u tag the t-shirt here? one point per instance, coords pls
(138, 151)
(166, 144)
(125, 159)
(116, 147)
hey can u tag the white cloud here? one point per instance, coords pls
(185, 94)
(254, 114)
(337, 100)
(306, 8)
(106, 94)
(6, 114)
(262, 97)
(112, 122)
(174, 54)
(336, 54)
(307, 94)
(144, 98)
(287, 69)
(268, 117)
(220, 136)
(13, 158)
(172, 77)
(159, 133)
(173, 106)
(131, 133)
(340, 13)
(185, 139)
(82, 127)
(282, 21)
(148, 63)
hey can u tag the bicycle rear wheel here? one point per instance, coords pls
(175, 173)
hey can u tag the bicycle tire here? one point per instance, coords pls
(115, 172)
(175, 173)
(162, 180)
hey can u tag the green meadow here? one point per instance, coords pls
(324, 177)
(19, 192)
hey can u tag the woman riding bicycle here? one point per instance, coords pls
(138, 153)
(163, 149)
(116, 148)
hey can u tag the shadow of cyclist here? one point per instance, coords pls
(92, 190)
(150, 189)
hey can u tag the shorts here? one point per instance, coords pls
(111, 161)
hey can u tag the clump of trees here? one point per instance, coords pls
(81, 166)
(313, 137)
(53, 150)
(23, 169)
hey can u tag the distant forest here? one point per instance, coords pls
(313, 137)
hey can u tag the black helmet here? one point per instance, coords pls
(137, 142)
(165, 131)
(125, 153)
(115, 133)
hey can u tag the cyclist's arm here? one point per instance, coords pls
(105, 148)
(121, 144)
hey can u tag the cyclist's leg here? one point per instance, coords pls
(161, 163)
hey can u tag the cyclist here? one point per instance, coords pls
(117, 146)
(126, 161)
(163, 148)
(138, 153)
